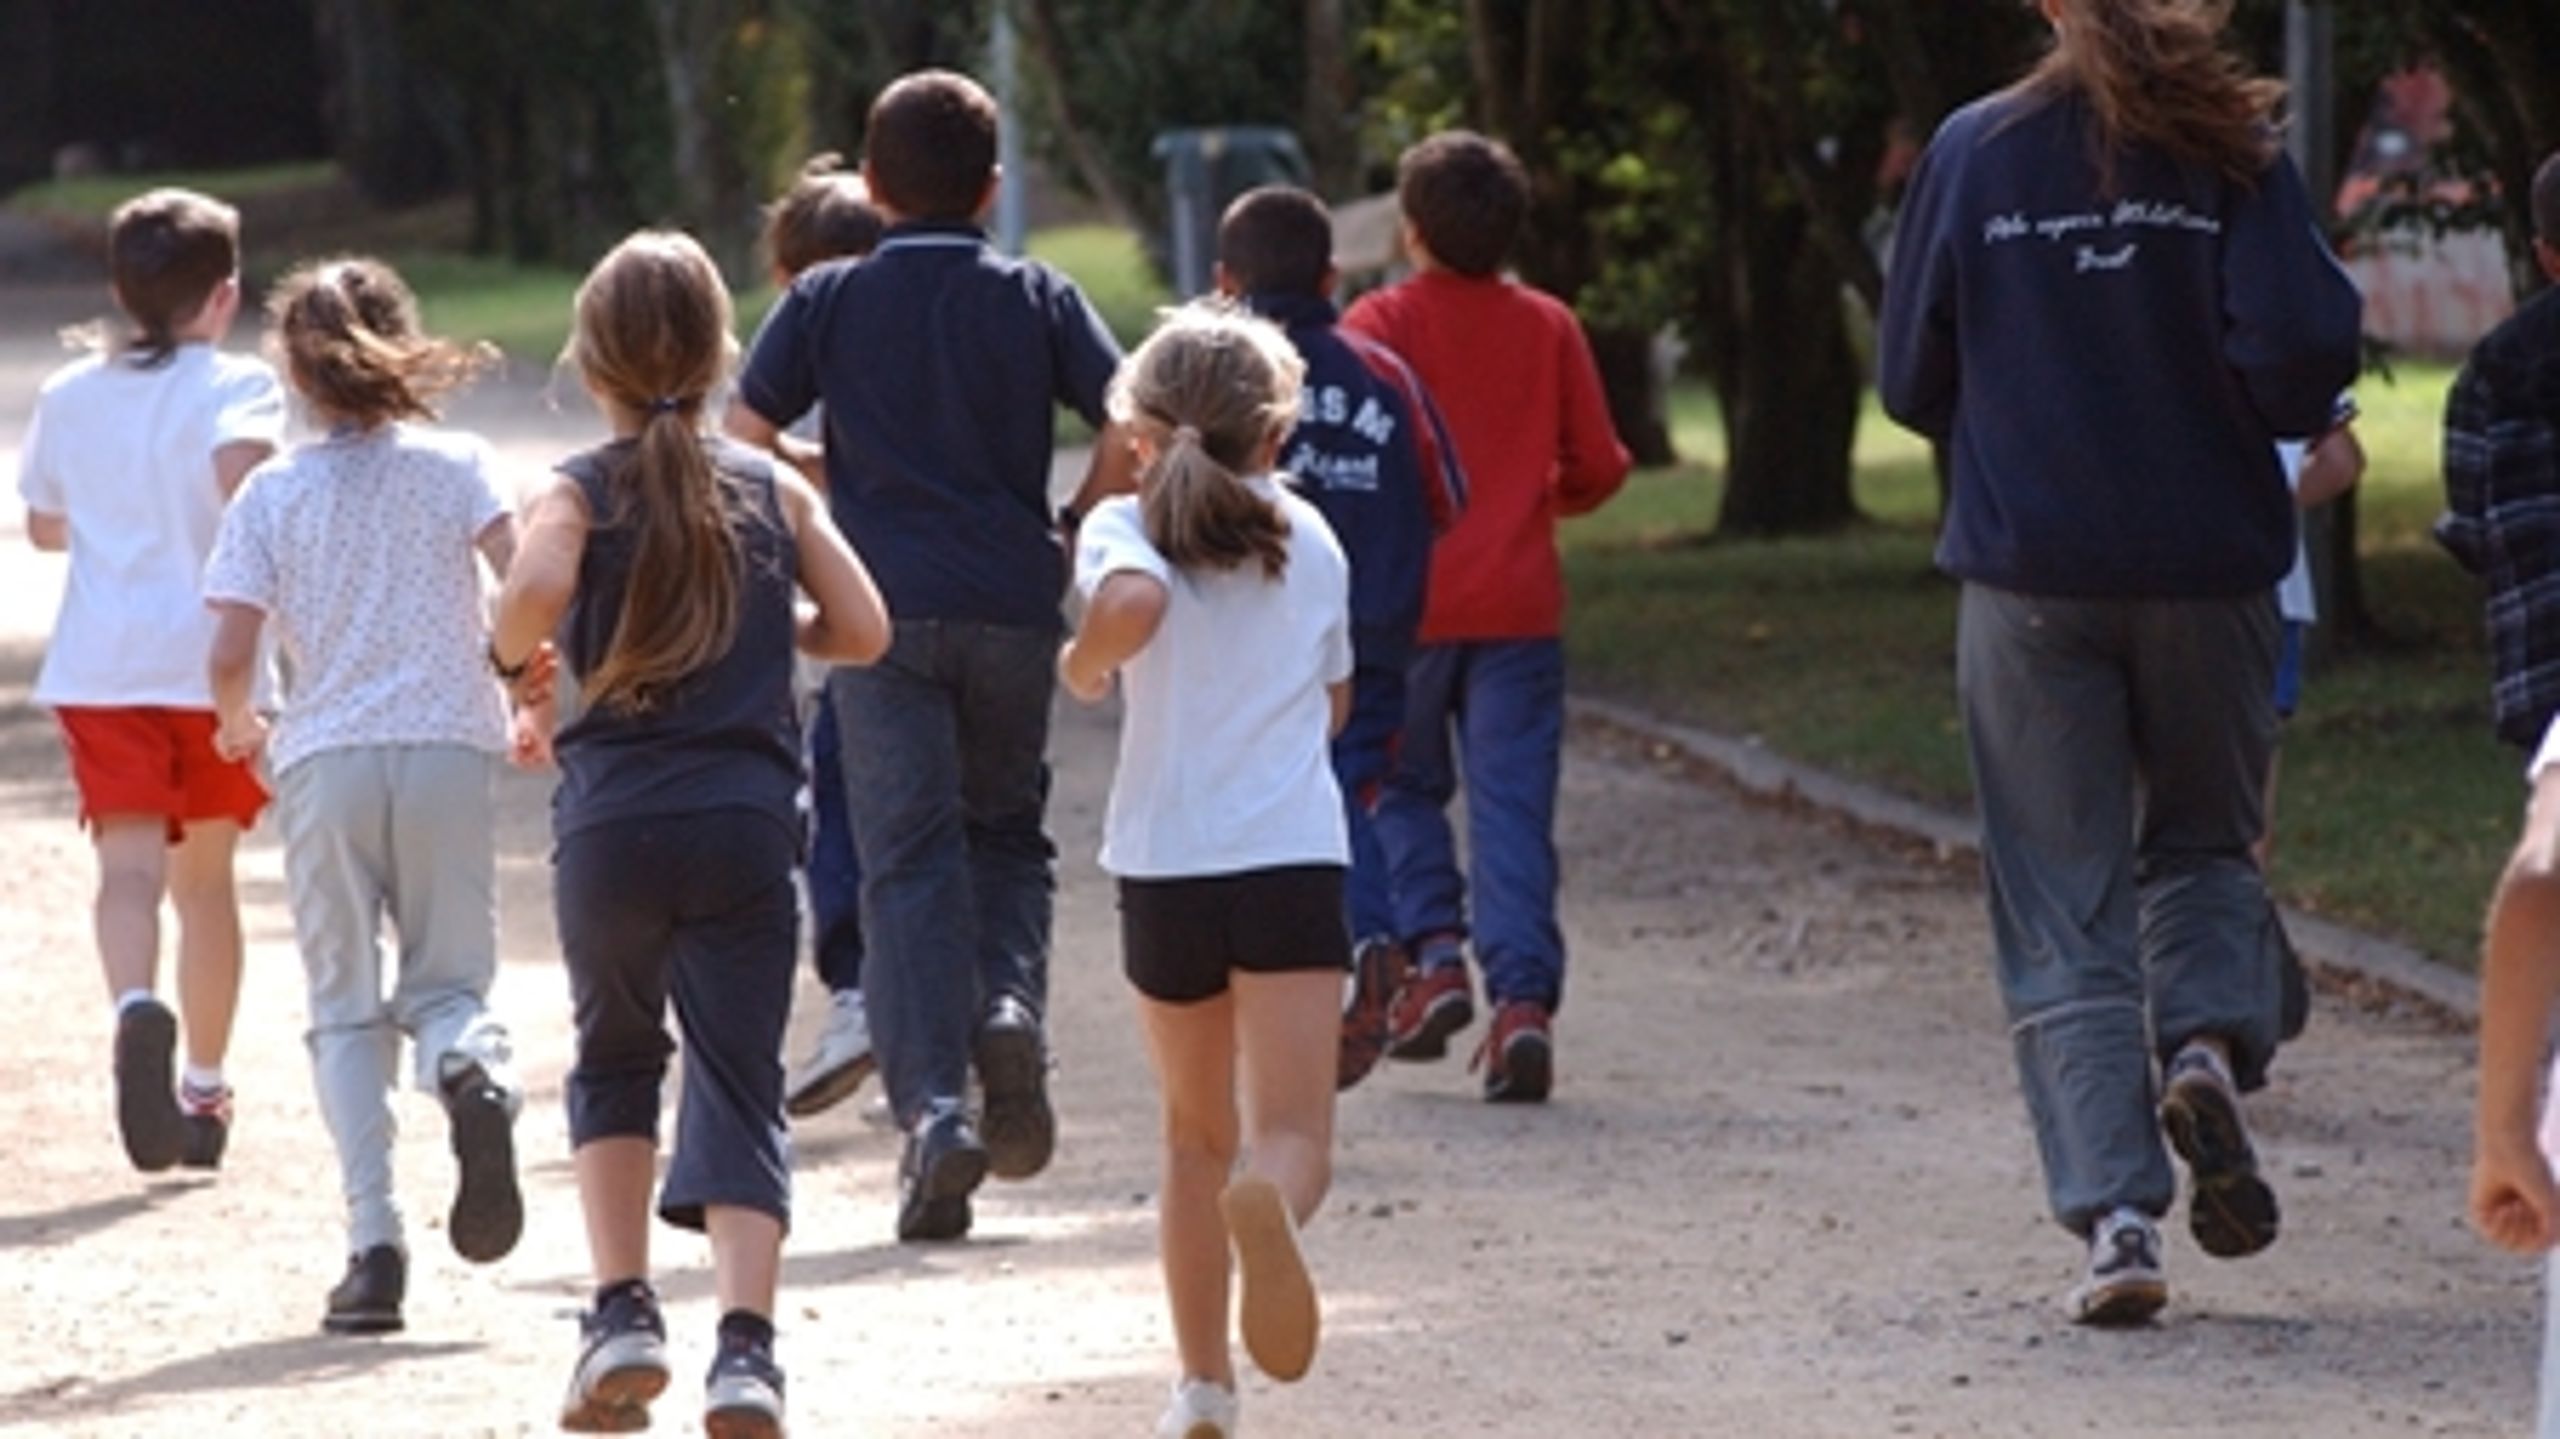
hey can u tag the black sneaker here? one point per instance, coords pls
(622, 1362)
(1012, 1059)
(488, 1209)
(206, 1114)
(943, 1165)
(155, 1134)
(2231, 1211)
(2123, 1284)
(742, 1398)
(367, 1300)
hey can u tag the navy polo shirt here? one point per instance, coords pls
(940, 363)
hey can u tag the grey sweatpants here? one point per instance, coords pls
(2119, 754)
(407, 832)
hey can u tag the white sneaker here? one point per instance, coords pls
(839, 1064)
(1200, 1410)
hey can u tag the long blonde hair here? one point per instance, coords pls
(1210, 387)
(653, 340)
(2156, 74)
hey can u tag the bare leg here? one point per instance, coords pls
(133, 868)
(1286, 1028)
(1193, 1047)
(614, 1178)
(208, 909)
(746, 1256)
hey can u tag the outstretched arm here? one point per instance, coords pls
(2512, 1199)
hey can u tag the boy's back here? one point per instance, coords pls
(126, 454)
(1513, 377)
(940, 363)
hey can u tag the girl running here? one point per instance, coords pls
(364, 549)
(1224, 602)
(667, 562)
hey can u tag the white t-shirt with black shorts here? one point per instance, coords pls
(1225, 824)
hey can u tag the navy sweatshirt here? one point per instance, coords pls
(2109, 370)
(1370, 453)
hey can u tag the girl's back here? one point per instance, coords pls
(723, 737)
(364, 546)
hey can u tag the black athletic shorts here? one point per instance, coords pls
(1179, 938)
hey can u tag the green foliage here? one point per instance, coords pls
(1110, 266)
(89, 199)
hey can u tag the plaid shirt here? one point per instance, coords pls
(2502, 517)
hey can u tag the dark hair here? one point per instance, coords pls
(930, 144)
(167, 251)
(1467, 196)
(1210, 387)
(653, 340)
(346, 333)
(2546, 201)
(1276, 240)
(2156, 74)
(825, 215)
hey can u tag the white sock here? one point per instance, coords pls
(132, 997)
(202, 1079)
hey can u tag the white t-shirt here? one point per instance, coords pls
(360, 548)
(1224, 758)
(126, 455)
(2544, 757)
(2295, 599)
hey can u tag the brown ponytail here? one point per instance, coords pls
(2156, 75)
(1212, 385)
(346, 332)
(652, 340)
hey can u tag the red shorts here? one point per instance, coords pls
(152, 761)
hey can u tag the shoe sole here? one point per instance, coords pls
(2232, 1212)
(943, 1212)
(1018, 1127)
(1526, 1074)
(1430, 1039)
(821, 1092)
(147, 1114)
(617, 1400)
(364, 1321)
(753, 1412)
(488, 1208)
(1276, 1306)
(2120, 1304)
(206, 1139)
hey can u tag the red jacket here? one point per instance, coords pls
(1521, 394)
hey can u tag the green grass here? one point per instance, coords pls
(2396, 806)
(89, 199)
(1110, 266)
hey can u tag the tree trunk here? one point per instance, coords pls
(26, 92)
(1333, 147)
(1791, 406)
(712, 194)
(1048, 49)
(382, 125)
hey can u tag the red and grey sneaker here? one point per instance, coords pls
(206, 1116)
(1433, 1003)
(1378, 968)
(1518, 1055)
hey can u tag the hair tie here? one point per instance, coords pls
(1185, 435)
(666, 404)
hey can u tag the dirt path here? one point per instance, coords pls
(1785, 1188)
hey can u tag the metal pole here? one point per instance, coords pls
(1009, 227)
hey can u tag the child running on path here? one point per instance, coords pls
(941, 364)
(1369, 451)
(1224, 602)
(1511, 369)
(667, 561)
(132, 453)
(364, 549)
(826, 215)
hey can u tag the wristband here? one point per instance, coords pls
(508, 672)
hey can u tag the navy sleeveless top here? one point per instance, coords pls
(725, 736)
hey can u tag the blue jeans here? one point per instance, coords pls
(1362, 755)
(834, 871)
(948, 787)
(1489, 713)
(2119, 754)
